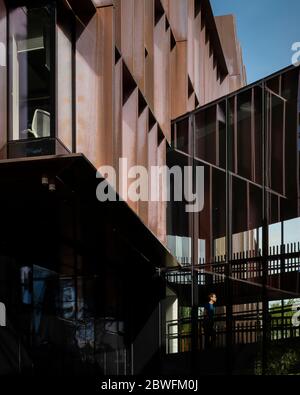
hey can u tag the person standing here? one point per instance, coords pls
(209, 321)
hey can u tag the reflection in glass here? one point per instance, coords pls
(40, 283)
(26, 274)
(221, 124)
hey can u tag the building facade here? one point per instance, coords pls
(244, 244)
(95, 288)
(140, 64)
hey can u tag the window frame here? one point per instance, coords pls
(11, 5)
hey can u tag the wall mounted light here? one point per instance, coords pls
(52, 186)
(45, 180)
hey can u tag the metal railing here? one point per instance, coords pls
(246, 328)
(247, 265)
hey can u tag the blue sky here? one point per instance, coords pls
(266, 29)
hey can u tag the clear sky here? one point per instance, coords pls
(266, 29)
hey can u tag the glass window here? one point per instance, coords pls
(30, 72)
(65, 29)
(231, 136)
(221, 124)
(258, 134)
(244, 143)
(276, 135)
(182, 134)
(205, 134)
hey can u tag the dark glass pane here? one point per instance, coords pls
(205, 134)
(182, 135)
(173, 138)
(244, 131)
(222, 134)
(231, 102)
(205, 242)
(239, 206)
(258, 134)
(274, 84)
(276, 141)
(219, 213)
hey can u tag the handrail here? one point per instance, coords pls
(282, 259)
(246, 329)
(276, 252)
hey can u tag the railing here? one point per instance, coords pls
(246, 328)
(114, 362)
(246, 266)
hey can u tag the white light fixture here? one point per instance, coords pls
(45, 181)
(52, 187)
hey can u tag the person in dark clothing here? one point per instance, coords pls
(209, 321)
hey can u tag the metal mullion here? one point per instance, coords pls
(228, 267)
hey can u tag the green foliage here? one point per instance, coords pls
(275, 310)
(281, 361)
